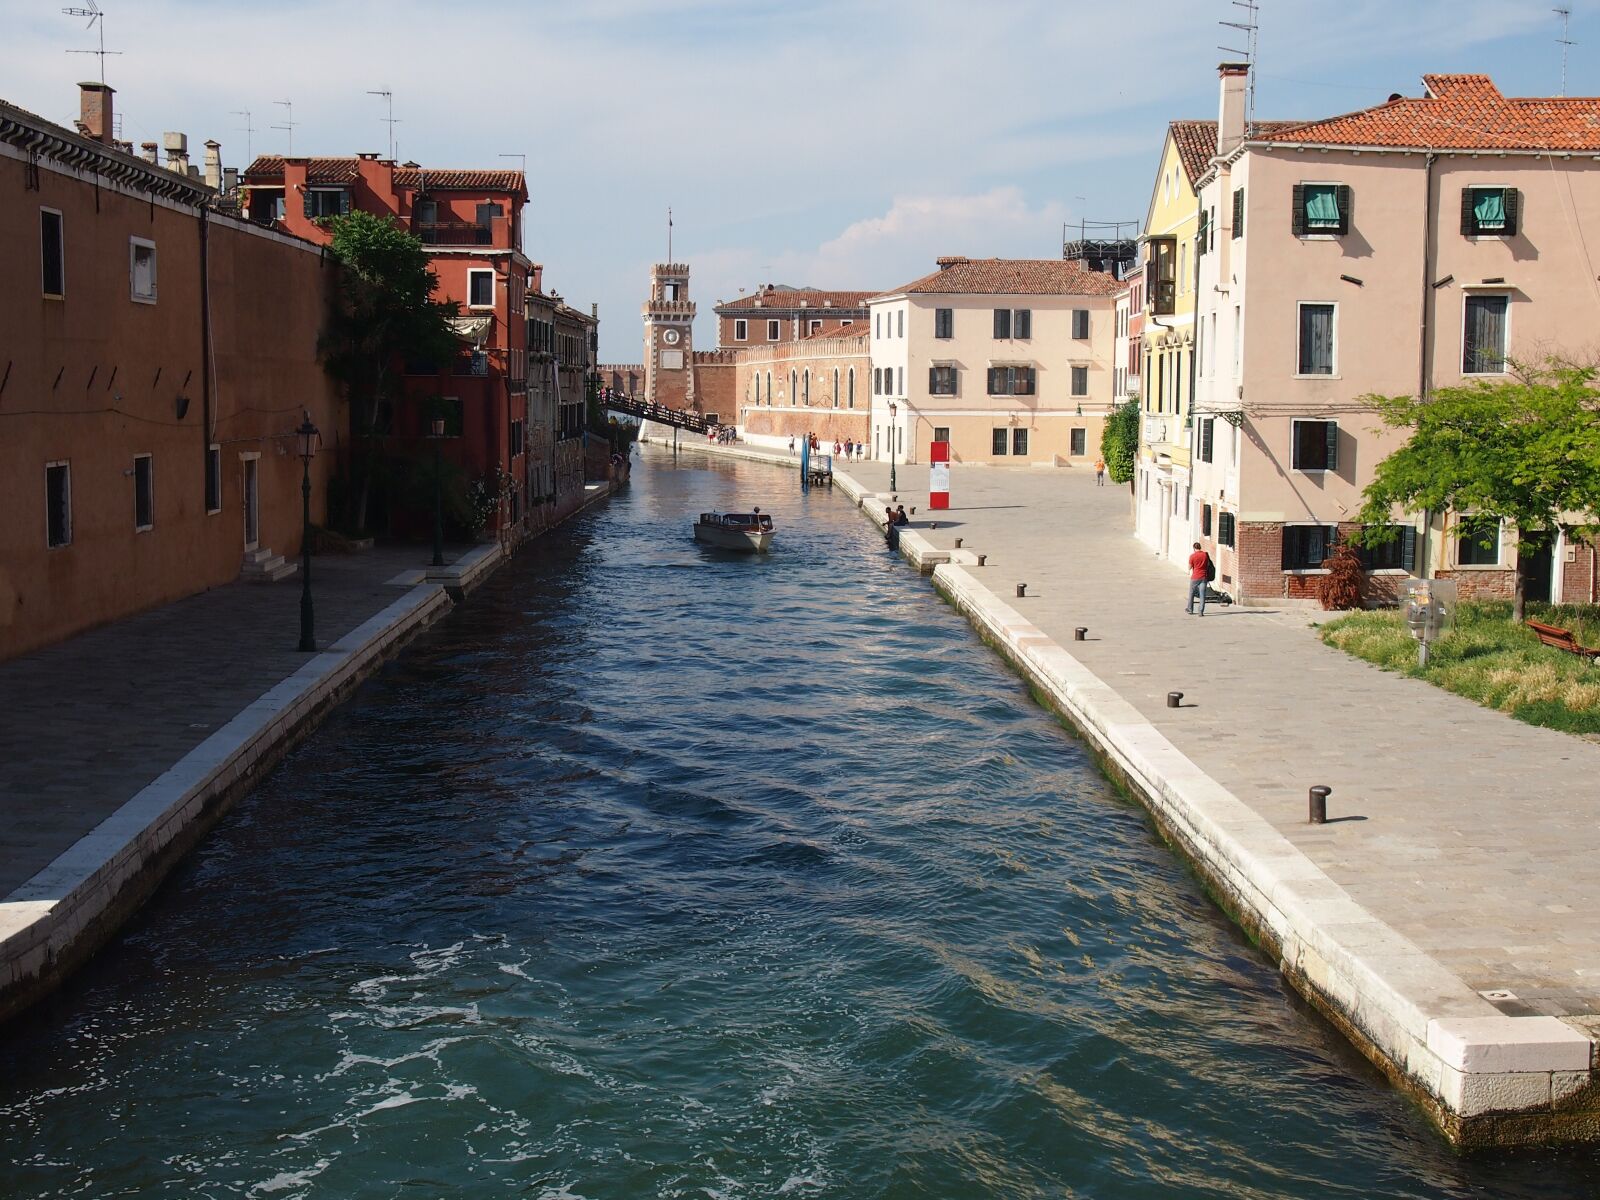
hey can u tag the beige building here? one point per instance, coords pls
(1009, 360)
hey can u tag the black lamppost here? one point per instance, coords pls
(893, 408)
(309, 437)
(437, 437)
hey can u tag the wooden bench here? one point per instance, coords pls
(1562, 639)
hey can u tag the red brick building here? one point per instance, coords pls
(780, 314)
(471, 223)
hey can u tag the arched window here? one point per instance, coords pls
(758, 387)
(769, 389)
(794, 389)
(852, 387)
(807, 393)
(836, 387)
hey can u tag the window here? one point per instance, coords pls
(942, 381)
(325, 202)
(794, 389)
(805, 386)
(1002, 322)
(1001, 441)
(52, 254)
(941, 433)
(1011, 381)
(142, 271)
(1080, 442)
(901, 390)
(427, 212)
(515, 444)
(1306, 546)
(758, 387)
(143, 493)
(944, 320)
(741, 331)
(901, 322)
(814, 327)
(1205, 520)
(1321, 208)
(852, 387)
(1477, 542)
(1399, 553)
(877, 381)
(480, 289)
(772, 331)
(1316, 339)
(1080, 381)
(1207, 439)
(58, 504)
(1316, 445)
(1019, 442)
(1080, 323)
(213, 479)
(1483, 337)
(1225, 529)
(1490, 211)
(1022, 322)
(488, 212)
(1202, 235)
(1238, 212)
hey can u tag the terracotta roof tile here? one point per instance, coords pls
(1014, 277)
(1460, 112)
(269, 167)
(1197, 143)
(795, 298)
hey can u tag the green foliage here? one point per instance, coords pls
(1119, 441)
(1525, 449)
(1490, 660)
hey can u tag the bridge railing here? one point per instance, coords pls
(659, 413)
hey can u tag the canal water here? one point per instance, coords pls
(657, 871)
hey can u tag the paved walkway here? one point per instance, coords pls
(1473, 835)
(91, 721)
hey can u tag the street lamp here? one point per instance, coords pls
(893, 408)
(437, 437)
(309, 438)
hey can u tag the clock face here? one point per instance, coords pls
(670, 337)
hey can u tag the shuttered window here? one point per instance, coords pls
(1316, 446)
(943, 322)
(144, 495)
(1002, 322)
(1399, 553)
(1022, 322)
(58, 505)
(1238, 212)
(1080, 323)
(1306, 547)
(1226, 529)
(1316, 339)
(1321, 208)
(1483, 346)
(1205, 520)
(1490, 211)
(1080, 381)
(1204, 234)
(1011, 381)
(1078, 445)
(52, 254)
(1208, 429)
(941, 381)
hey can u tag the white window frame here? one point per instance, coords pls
(67, 465)
(1333, 304)
(814, 325)
(135, 244)
(61, 218)
(1467, 293)
(489, 271)
(741, 330)
(138, 528)
(773, 330)
(214, 454)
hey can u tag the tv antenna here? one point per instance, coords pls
(288, 122)
(96, 17)
(669, 235)
(248, 130)
(390, 121)
(1565, 42)
(1250, 26)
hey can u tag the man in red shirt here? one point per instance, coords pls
(1199, 568)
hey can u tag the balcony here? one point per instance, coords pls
(1163, 297)
(454, 233)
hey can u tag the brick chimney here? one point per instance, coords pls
(213, 165)
(95, 117)
(1230, 112)
(148, 152)
(950, 260)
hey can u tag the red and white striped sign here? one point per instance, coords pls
(939, 475)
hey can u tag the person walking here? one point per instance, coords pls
(791, 443)
(1199, 576)
(1099, 472)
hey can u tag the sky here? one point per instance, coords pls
(842, 144)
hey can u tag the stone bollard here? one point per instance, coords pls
(1319, 804)
(981, 559)
(1080, 633)
(958, 543)
(1022, 589)
(1174, 699)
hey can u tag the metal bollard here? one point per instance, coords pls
(1081, 632)
(1022, 589)
(958, 543)
(1174, 699)
(1319, 804)
(981, 559)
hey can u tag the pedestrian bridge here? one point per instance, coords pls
(645, 410)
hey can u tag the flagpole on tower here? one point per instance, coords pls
(669, 234)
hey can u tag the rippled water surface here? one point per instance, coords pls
(656, 871)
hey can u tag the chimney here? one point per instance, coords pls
(177, 145)
(230, 179)
(94, 101)
(950, 260)
(1230, 113)
(213, 165)
(147, 151)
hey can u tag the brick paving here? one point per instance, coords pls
(91, 721)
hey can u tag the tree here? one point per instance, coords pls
(1119, 441)
(383, 312)
(1524, 450)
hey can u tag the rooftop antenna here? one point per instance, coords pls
(1082, 224)
(248, 130)
(1250, 26)
(288, 122)
(1563, 41)
(388, 98)
(96, 17)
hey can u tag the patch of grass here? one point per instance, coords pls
(1488, 659)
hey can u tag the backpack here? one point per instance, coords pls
(1211, 569)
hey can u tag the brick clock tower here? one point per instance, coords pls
(669, 337)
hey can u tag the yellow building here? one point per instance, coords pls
(1169, 246)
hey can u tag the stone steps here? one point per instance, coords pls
(263, 566)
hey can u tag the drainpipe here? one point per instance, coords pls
(1425, 350)
(205, 353)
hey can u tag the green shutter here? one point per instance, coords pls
(1513, 211)
(1238, 212)
(1298, 221)
(344, 203)
(1346, 206)
(1285, 560)
(305, 203)
(1332, 429)
(1200, 240)
(1408, 550)
(1469, 214)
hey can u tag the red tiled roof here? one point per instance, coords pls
(268, 168)
(1015, 277)
(1460, 112)
(855, 331)
(796, 298)
(1197, 143)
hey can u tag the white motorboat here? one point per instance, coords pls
(751, 531)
